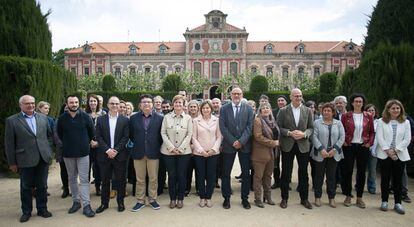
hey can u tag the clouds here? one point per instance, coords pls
(73, 22)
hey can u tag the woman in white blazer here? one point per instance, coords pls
(393, 137)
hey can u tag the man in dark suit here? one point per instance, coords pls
(296, 126)
(236, 120)
(145, 133)
(112, 131)
(28, 151)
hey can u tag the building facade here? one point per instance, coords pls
(214, 49)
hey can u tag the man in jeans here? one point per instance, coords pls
(76, 131)
(145, 133)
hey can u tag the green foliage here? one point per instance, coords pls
(58, 57)
(259, 84)
(275, 83)
(172, 83)
(391, 21)
(349, 82)
(313, 95)
(327, 83)
(194, 83)
(24, 30)
(39, 78)
(89, 83)
(223, 85)
(303, 82)
(243, 80)
(108, 83)
(387, 72)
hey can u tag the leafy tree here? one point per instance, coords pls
(259, 84)
(391, 21)
(223, 84)
(108, 83)
(89, 83)
(275, 83)
(58, 57)
(327, 83)
(24, 30)
(194, 82)
(172, 83)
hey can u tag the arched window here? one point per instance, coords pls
(215, 70)
(197, 67)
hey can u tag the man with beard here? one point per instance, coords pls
(216, 103)
(76, 131)
(166, 107)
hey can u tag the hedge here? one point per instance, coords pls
(39, 78)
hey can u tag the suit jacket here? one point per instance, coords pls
(402, 140)
(368, 133)
(286, 122)
(232, 130)
(147, 142)
(23, 147)
(104, 140)
(206, 135)
(263, 147)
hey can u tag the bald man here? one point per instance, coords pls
(28, 152)
(296, 126)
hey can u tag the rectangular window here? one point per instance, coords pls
(177, 69)
(253, 70)
(197, 67)
(301, 71)
(285, 72)
(269, 71)
(99, 70)
(86, 71)
(316, 71)
(73, 69)
(147, 69)
(117, 71)
(336, 70)
(233, 68)
(132, 71)
(162, 72)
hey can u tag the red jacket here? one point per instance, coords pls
(368, 132)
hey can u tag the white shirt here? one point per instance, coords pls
(235, 109)
(112, 127)
(358, 119)
(296, 114)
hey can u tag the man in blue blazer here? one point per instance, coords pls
(236, 120)
(112, 132)
(145, 133)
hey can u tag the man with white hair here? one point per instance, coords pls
(27, 137)
(340, 105)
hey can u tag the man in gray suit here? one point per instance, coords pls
(296, 126)
(236, 120)
(28, 151)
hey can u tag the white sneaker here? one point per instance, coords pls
(384, 206)
(399, 208)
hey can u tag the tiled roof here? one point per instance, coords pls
(123, 47)
(227, 27)
(289, 46)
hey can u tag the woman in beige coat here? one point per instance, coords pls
(265, 143)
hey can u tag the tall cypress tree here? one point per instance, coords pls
(24, 30)
(391, 21)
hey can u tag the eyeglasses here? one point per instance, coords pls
(114, 103)
(297, 96)
(234, 93)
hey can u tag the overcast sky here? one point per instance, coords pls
(73, 22)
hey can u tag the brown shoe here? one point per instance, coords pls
(269, 201)
(347, 201)
(172, 204)
(283, 204)
(180, 204)
(202, 203)
(360, 203)
(332, 203)
(318, 202)
(209, 204)
(306, 204)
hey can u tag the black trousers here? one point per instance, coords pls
(287, 167)
(34, 177)
(360, 154)
(94, 166)
(64, 175)
(176, 166)
(206, 175)
(118, 170)
(391, 169)
(276, 169)
(228, 161)
(162, 176)
(191, 168)
(326, 167)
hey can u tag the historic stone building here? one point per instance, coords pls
(214, 49)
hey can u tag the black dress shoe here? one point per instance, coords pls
(101, 208)
(238, 177)
(44, 214)
(283, 204)
(275, 185)
(65, 193)
(75, 207)
(306, 204)
(25, 217)
(121, 207)
(246, 204)
(217, 185)
(88, 212)
(226, 204)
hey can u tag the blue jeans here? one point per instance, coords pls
(372, 173)
(34, 177)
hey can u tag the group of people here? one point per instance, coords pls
(179, 136)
